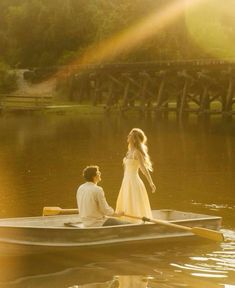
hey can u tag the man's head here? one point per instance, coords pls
(92, 174)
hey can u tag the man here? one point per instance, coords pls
(91, 201)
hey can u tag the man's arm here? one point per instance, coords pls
(102, 202)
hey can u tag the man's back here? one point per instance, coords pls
(92, 204)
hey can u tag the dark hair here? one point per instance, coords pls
(90, 172)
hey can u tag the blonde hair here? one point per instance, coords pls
(139, 141)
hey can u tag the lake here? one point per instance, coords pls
(41, 162)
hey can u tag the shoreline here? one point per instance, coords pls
(66, 108)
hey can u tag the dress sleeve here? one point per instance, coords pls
(102, 202)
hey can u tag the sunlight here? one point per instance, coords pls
(210, 26)
(125, 41)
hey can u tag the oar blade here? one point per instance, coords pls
(208, 233)
(50, 211)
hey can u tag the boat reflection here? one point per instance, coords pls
(120, 281)
(208, 265)
(138, 281)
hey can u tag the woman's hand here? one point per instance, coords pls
(153, 187)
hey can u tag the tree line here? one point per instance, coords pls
(45, 33)
(39, 33)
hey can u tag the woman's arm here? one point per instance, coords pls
(145, 171)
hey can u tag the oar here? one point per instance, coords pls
(199, 231)
(50, 211)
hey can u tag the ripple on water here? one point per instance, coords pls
(218, 264)
(207, 275)
(215, 207)
(198, 268)
(230, 238)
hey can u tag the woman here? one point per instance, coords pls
(133, 197)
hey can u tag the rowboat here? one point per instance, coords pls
(49, 233)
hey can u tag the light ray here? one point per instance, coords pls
(125, 41)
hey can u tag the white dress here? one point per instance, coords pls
(133, 197)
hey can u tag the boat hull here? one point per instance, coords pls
(38, 234)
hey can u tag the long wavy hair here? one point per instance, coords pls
(139, 141)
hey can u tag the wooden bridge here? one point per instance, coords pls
(200, 86)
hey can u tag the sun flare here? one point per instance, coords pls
(210, 25)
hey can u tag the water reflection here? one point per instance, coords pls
(216, 264)
(120, 281)
(192, 160)
(40, 162)
(204, 265)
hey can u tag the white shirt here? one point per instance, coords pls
(92, 205)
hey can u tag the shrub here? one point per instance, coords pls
(8, 79)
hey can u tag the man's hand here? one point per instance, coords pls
(119, 214)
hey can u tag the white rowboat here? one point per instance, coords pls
(35, 234)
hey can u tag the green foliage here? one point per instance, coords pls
(41, 33)
(8, 79)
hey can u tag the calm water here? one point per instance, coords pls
(41, 158)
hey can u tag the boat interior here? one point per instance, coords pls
(65, 220)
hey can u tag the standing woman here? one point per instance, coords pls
(133, 198)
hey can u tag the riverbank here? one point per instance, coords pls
(60, 108)
(67, 108)
(85, 109)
